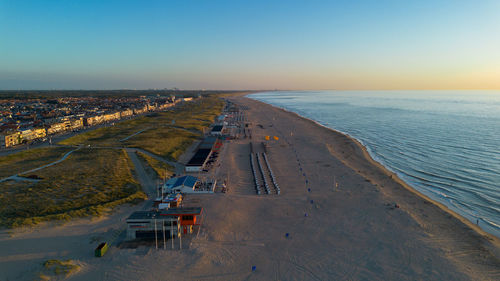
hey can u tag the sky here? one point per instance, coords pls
(189, 44)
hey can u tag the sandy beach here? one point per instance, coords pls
(371, 227)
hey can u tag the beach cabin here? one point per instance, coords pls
(151, 224)
(198, 160)
(172, 200)
(217, 130)
(221, 118)
(148, 224)
(209, 142)
(184, 184)
(187, 218)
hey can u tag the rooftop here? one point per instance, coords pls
(199, 157)
(217, 128)
(189, 181)
(208, 142)
(146, 215)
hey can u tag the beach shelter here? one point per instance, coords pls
(184, 184)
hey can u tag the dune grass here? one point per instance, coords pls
(53, 268)
(179, 128)
(160, 127)
(167, 134)
(88, 182)
(166, 142)
(110, 135)
(161, 169)
(29, 159)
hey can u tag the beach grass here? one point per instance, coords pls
(166, 133)
(88, 182)
(109, 135)
(166, 142)
(58, 267)
(26, 160)
(161, 169)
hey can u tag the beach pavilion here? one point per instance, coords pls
(183, 184)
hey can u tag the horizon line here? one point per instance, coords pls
(249, 90)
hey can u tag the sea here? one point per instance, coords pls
(445, 144)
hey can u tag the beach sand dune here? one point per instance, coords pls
(313, 230)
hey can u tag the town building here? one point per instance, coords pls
(59, 127)
(11, 138)
(65, 114)
(76, 124)
(165, 106)
(141, 110)
(32, 134)
(111, 116)
(126, 113)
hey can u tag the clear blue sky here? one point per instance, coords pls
(250, 44)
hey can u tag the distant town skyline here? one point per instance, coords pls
(235, 45)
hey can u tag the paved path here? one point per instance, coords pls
(194, 131)
(134, 134)
(148, 185)
(15, 177)
(179, 168)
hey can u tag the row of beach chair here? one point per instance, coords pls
(273, 178)
(256, 180)
(266, 185)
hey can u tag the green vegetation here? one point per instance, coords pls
(198, 115)
(162, 169)
(166, 133)
(166, 142)
(29, 159)
(110, 136)
(88, 182)
(58, 267)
